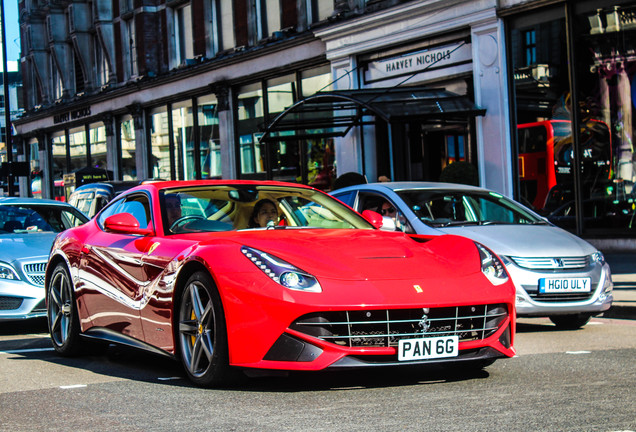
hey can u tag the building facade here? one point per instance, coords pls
(306, 91)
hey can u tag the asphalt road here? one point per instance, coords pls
(561, 381)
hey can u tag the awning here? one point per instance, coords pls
(335, 113)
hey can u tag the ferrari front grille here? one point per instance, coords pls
(35, 273)
(385, 327)
(566, 263)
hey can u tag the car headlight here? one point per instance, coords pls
(281, 271)
(598, 257)
(7, 272)
(491, 266)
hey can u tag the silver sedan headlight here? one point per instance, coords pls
(7, 272)
(598, 257)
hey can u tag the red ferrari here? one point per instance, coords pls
(234, 275)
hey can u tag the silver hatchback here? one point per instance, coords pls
(556, 273)
(28, 227)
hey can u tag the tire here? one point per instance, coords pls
(201, 333)
(570, 322)
(62, 315)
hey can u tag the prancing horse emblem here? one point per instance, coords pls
(423, 323)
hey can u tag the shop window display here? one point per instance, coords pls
(560, 153)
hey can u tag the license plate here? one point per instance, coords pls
(428, 348)
(564, 285)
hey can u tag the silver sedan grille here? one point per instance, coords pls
(564, 263)
(35, 272)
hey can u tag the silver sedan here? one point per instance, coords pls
(556, 273)
(28, 227)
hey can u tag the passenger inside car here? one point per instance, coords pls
(265, 214)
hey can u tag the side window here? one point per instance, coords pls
(137, 205)
(346, 197)
(387, 208)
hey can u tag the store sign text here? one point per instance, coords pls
(72, 115)
(420, 61)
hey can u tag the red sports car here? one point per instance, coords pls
(230, 275)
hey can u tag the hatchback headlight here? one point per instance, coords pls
(491, 266)
(7, 272)
(281, 271)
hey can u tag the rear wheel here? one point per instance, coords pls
(202, 335)
(570, 322)
(62, 313)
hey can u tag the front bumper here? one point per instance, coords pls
(281, 345)
(19, 301)
(528, 304)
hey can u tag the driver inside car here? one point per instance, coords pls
(173, 208)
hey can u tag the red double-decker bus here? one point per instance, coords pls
(546, 157)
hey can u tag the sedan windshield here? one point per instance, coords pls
(226, 208)
(439, 208)
(27, 218)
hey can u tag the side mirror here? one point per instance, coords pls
(125, 223)
(374, 217)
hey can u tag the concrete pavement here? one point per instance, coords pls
(623, 267)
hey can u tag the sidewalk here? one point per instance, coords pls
(623, 267)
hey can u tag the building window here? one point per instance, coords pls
(183, 38)
(209, 141)
(161, 165)
(183, 140)
(102, 70)
(530, 46)
(282, 156)
(214, 33)
(97, 134)
(58, 153)
(77, 148)
(130, 48)
(57, 85)
(250, 115)
(128, 167)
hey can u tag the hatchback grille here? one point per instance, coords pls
(567, 263)
(385, 327)
(10, 303)
(552, 298)
(35, 273)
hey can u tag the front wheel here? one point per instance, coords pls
(202, 335)
(570, 322)
(62, 315)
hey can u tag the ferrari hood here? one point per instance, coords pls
(526, 240)
(368, 255)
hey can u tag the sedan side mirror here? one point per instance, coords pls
(125, 223)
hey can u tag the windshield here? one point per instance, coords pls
(226, 208)
(26, 218)
(444, 208)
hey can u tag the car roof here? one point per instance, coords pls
(169, 184)
(403, 185)
(31, 201)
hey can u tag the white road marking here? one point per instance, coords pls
(578, 352)
(74, 386)
(20, 351)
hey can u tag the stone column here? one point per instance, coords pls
(144, 170)
(491, 84)
(227, 137)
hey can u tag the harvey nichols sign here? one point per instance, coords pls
(72, 115)
(418, 62)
